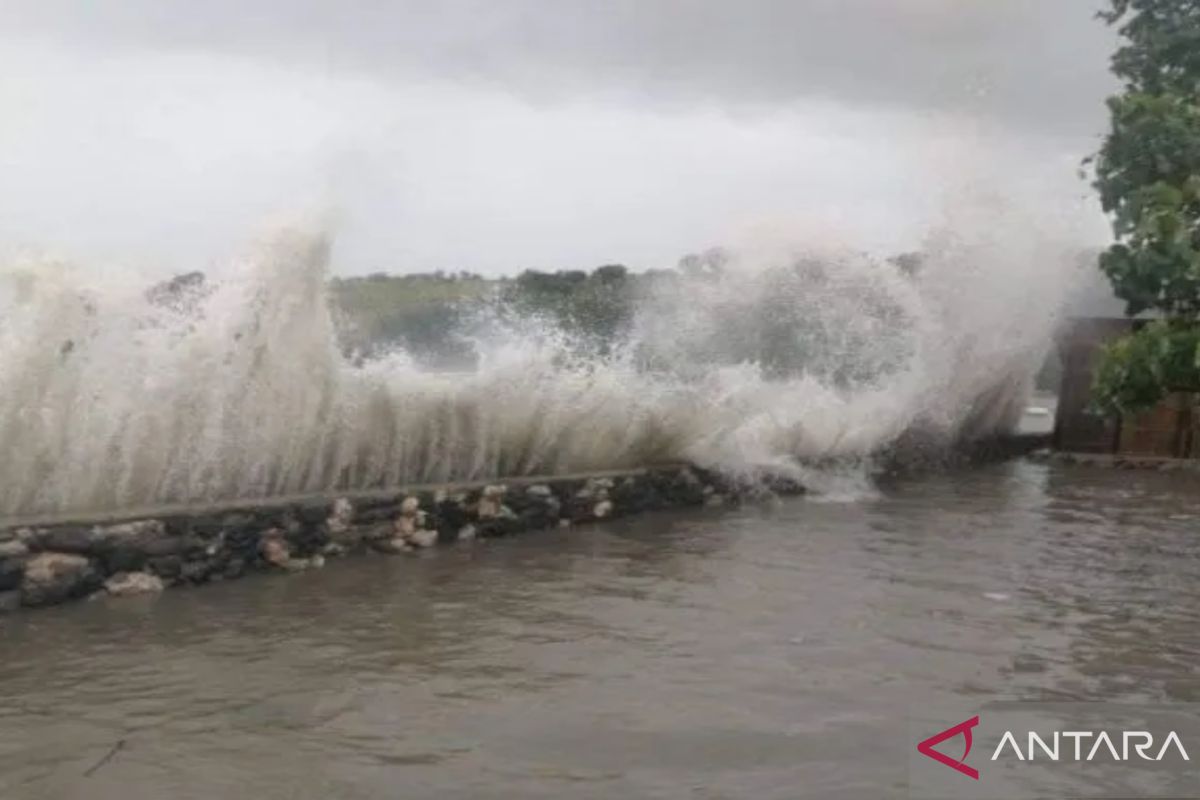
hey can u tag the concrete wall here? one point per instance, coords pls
(1075, 428)
(1169, 430)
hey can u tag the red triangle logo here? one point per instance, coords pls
(925, 748)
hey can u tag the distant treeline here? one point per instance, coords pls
(431, 316)
(436, 317)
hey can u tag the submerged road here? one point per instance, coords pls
(766, 652)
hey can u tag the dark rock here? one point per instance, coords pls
(76, 539)
(242, 541)
(312, 513)
(196, 572)
(123, 559)
(364, 504)
(131, 555)
(238, 522)
(683, 488)
(633, 495)
(56, 577)
(11, 572)
(191, 526)
(165, 567)
(448, 518)
(291, 524)
(379, 513)
(565, 491)
(234, 568)
(496, 527)
(537, 507)
(306, 540)
(9, 601)
(538, 517)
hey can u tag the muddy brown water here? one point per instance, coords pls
(766, 652)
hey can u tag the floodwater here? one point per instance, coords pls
(765, 652)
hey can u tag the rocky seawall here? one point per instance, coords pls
(46, 562)
(1116, 461)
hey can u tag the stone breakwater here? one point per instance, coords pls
(48, 562)
(1116, 461)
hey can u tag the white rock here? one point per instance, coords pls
(343, 508)
(274, 549)
(13, 549)
(423, 538)
(405, 526)
(603, 509)
(124, 584)
(340, 517)
(490, 502)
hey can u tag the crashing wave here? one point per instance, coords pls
(111, 396)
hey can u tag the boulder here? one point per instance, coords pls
(410, 526)
(54, 577)
(273, 549)
(636, 494)
(125, 584)
(341, 514)
(9, 601)
(339, 525)
(197, 571)
(166, 567)
(66, 539)
(13, 548)
(122, 547)
(11, 572)
(491, 502)
(131, 553)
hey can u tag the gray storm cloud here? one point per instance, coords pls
(501, 135)
(1038, 63)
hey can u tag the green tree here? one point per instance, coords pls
(596, 309)
(1148, 177)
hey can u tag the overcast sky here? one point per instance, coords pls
(495, 135)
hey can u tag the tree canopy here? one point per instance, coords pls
(1148, 177)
